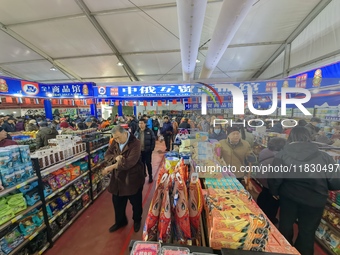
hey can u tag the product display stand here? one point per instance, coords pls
(35, 163)
(198, 249)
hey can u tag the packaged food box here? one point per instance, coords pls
(7, 177)
(142, 248)
(170, 250)
(25, 154)
(5, 158)
(17, 202)
(20, 173)
(15, 151)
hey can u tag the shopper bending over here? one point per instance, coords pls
(147, 140)
(303, 195)
(127, 178)
(265, 200)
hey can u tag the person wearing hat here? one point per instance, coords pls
(45, 133)
(9, 125)
(65, 127)
(32, 126)
(313, 127)
(90, 124)
(235, 151)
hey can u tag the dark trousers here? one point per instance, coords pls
(146, 159)
(309, 220)
(268, 204)
(120, 202)
(167, 139)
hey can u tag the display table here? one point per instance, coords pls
(199, 249)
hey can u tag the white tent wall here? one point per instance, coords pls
(319, 39)
(317, 45)
(275, 69)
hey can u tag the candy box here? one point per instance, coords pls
(11, 240)
(53, 206)
(5, 158)
(47, 190)
(32, 197)
(27, 226)
(25, 153)
(20, 173)
(83, 165)
(169, 250)
(142, 248)
(28, 187)
(7, 176)
(29, 171)
(79, 186)
(62, 201)
(15, 153)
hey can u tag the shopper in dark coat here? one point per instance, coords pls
(147, 139)
(20, 126)
(313, 127)
(277, 128)
(167, 131)
(127, 178)
(45, 133)
(265, 200)
(155, 126)
(303, 194)
(133, 124)
(217, 133)
(9, 125)
(185, 124)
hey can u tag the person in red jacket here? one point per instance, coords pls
(5, 139)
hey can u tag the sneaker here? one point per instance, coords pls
(115, 227)
(136, 226)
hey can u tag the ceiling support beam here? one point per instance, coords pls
(71, 75)
(106, 12)
(106, 38)
(310, 17)
(4, 71)
(286, 60)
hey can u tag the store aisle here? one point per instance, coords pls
(89, 235)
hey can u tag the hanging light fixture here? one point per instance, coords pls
(53, 68)
(120, 64)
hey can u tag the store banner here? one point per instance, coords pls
(82, 90)
(319, 77)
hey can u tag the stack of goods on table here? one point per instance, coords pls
(15, 165)
(60, 149)
(96, 140)
(236, 222)
(175, 210)
(80, 133)
(25, 140)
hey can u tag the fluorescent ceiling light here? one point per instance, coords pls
(198, 61)
(120, 64)
(53, 68)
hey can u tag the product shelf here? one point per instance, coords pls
(27, 240)
(99, 193)
(6, 191)
(334, 205)
(102, 147)
(43, 249)
(334, 229)
(68, 206)
(65, 186)
(97, 165)
(53, 168)
(19, 216)
(325, 246)
(70, 223)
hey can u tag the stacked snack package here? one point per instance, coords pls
(152, 219)
(181, 211)
(164, 225)
(236, 222)
(195, 207)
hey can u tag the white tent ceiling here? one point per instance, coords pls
(85, 39)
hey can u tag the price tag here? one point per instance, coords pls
(16, 218)
(21, 185)
(32, 236)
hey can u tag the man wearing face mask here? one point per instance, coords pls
(313, 127)
(217, 133)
